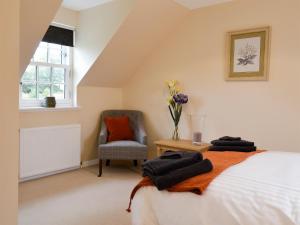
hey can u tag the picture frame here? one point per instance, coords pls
(248, 54)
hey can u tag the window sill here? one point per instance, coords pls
(43, 109)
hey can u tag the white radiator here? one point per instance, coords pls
(49, 150)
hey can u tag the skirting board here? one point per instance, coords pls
(47, 174)
(92, 162)
(83, 165)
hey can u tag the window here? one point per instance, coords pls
(48, 74)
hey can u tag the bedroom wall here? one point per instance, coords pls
(32, 29)
(66, 16)
(147, 24)
(265, 112)
(96, 26)
(9, 119)
(91, 101)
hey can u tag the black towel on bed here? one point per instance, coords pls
(228, 138)
(233, 148)
(176, 176)
(160, 166)
(232, 143)
(172, 155)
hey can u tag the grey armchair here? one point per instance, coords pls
(123, 150)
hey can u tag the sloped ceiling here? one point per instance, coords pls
(36, 16)
(79, 5)
(195, 4)
(146, 25)
(95, 28)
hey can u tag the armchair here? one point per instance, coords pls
(123, 150)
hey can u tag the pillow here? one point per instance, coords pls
(118, 128)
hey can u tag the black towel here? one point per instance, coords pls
(179, 175)
(228, 138)
(171, 155)
(232, 143)
(233, 148)
(160, 166)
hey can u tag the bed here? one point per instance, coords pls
(263, 190)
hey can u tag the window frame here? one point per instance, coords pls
(68, 101)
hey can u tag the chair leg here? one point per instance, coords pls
(100, 168)
(135, 163)
(107, 162)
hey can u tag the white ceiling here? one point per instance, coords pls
(78, 5)
(194, 4)
(85, 4)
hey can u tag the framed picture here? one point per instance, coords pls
(248, 54)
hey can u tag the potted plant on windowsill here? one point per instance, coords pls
(49, 102)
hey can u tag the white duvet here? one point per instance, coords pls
(263, 190)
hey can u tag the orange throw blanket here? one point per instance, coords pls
(220, 160)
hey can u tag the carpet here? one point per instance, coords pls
(78, 198)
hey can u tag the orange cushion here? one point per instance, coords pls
(118, 128)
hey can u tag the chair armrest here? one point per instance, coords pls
(141, 135)
(102, 135)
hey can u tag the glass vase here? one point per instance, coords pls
(175, 135)
(198, 128)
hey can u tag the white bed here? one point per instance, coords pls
(263, 190)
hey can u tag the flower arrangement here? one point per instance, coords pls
(175, 102)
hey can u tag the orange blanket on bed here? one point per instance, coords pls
(220, 160)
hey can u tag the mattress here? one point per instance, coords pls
(263, 190)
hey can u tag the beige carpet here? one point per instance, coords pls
(78, 198)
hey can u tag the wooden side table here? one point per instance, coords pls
(180, 145)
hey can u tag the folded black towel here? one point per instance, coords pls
(232, 143)
(179, 175)
(233, 148)
(228, 138)
(160, 166)
(171, 155)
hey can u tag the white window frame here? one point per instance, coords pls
(68, 101)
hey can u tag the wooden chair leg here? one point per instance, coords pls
(100, 168)
(135, 163)
(107, 162)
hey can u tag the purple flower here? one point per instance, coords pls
(180, 98)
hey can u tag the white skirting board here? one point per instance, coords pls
(48, 150)
(47, 174)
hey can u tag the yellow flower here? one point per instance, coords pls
(173, 89)
(169, 100)
(172, 83)
(178, 89)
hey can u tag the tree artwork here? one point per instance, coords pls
(247, 54)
